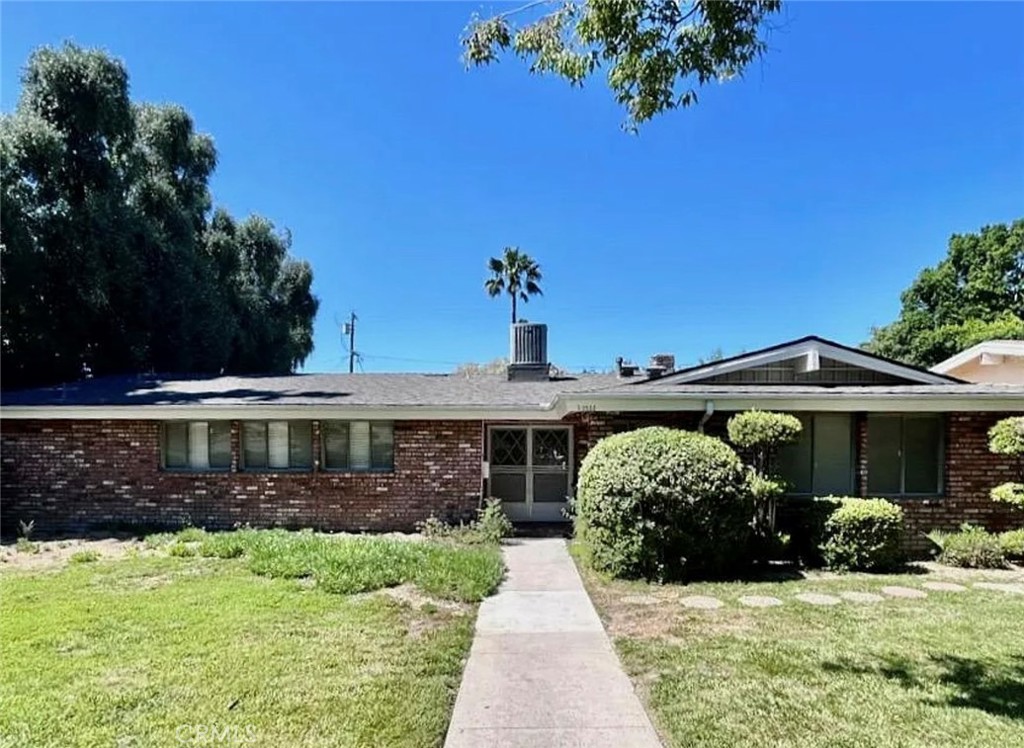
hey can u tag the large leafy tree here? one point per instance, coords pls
(111, 256)
(976, 293)
(658, 53)
(514, 273)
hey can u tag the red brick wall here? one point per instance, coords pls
(72, 475)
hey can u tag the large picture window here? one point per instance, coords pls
(358, 445)
(277, 445)
(197, 445)
(820, 462)
(905, 455)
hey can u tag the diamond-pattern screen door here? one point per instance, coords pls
(551, 448)
(508, 447)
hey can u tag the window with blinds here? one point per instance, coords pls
(358, 446)
(197, 445)
(277, 445)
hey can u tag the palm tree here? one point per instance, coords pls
(514, 273)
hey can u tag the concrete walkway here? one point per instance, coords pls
(542, 671)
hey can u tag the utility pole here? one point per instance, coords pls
(350, 330)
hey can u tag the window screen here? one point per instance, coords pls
(197, 445)
(358, 445)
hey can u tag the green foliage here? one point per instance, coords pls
(1007, 437)
(1012, 544)
(83, 557)
(975, 294)
(111, 258)
(972, 547)
(182, 549)
(490, 526)
(760, 430)
(514, 273)
(804, 521)
(864, 535)
(657, 52)
(24, 545)
(1009, 493)
(660, 503)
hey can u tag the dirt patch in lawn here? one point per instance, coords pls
(424, 613)
(43, 554)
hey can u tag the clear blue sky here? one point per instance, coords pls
(799, 200)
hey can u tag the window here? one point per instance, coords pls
(905, 455)
(358, 446)
(277, 445)
(197, 445)
(820, 463)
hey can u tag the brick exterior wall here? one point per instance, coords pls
(70, 476)
(970, 471)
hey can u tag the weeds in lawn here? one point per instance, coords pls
(83, 557)
(24, 545)
(490, 526)
(350, 565)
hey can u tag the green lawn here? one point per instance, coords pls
(944, 671)
(161, 649)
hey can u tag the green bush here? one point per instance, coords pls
(1012, 543)
(972, 547)
(863, 534)
(490, 526)
(759, 429)
(661, 503)
(804, 521)
(1007, 436)
(1009, 493)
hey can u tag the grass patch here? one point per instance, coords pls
(147, 649)
(83, 557)
(349, 565)
(943, 671)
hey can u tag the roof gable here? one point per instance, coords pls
(989, 352)
(806, 361)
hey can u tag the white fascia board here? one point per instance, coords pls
(284, 413)
(808, 350)
(995, 347)
(787, 401)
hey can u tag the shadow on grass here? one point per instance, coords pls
(996, 688)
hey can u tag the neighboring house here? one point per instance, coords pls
(997, 361)
(384, 451)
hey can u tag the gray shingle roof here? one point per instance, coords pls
(487, 390)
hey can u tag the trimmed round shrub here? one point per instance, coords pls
(1007, 436)
(863, 535)
(1012, 543)
(660, 503)
(804, 521)
(757, 429)
(972, 547)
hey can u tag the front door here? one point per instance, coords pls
(530, 471)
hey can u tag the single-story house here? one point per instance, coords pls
(385, 451)
(996, 361)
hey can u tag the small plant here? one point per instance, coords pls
(863, 535)
(191, 535)
(182, 550)
(435, 528)
(158, 540)
(972, 547)
(491, 523)
(1009, 493)
(84, 557)
(24, 545)
(25, 529)
(1012, 543)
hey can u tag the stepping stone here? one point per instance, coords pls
(759, 601)
(905, 592)
(1017, 589)
(701, 602)
(943, 586)
(816, 598)
(640, 600)
(861, 597)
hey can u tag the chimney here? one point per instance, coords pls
(528, 354)
(624, 368)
